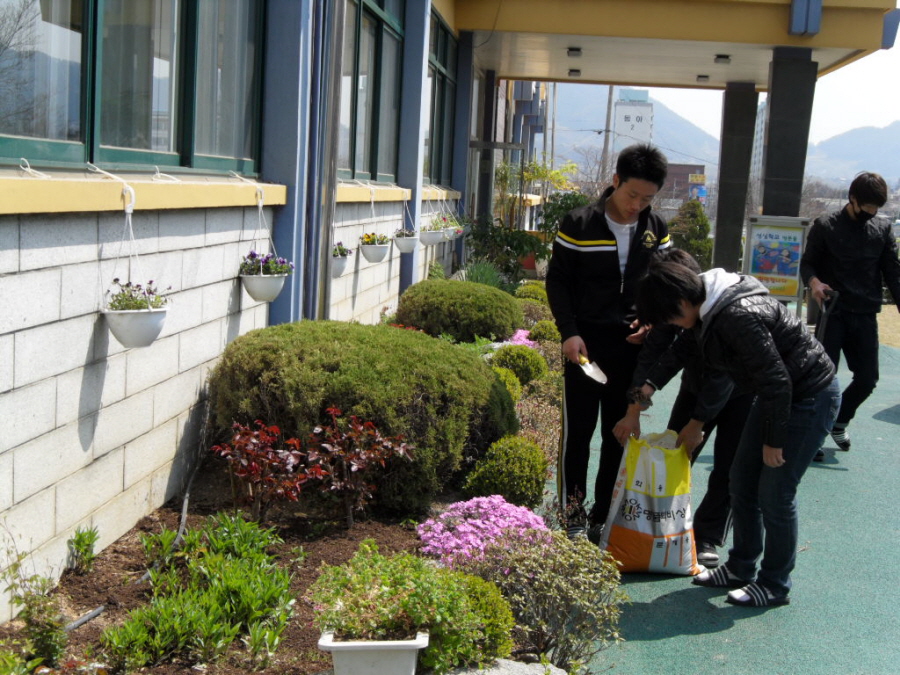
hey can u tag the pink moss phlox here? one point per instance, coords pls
(520, 337)
(465, 529)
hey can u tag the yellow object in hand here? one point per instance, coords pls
(582, 359)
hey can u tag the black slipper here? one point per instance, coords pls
(756, 595)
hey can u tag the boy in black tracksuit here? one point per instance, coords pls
(598, 256)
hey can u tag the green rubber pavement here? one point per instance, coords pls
(844, 616)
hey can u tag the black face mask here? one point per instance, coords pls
(863, 216)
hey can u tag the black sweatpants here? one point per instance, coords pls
(857, 336)
(712, 518)
(583, 399)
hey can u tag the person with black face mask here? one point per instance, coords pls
(851, 252)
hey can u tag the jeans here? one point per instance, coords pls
(857, 336)
(764, 499)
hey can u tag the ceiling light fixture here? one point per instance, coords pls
(574, 72)
(703, 78)
(574, 52)
(722, 58)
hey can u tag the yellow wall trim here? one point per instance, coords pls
(355, 193)
(433, 193)
(22, 195)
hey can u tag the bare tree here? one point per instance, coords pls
(18, 39)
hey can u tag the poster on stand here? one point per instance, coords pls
(772, 252)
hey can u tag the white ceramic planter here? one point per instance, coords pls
(406, 244)
(263, 287)
(338, 265)
(375, 252)
(373, 657)
(432, 237)
(135, 327)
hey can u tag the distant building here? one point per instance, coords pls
(632, 118)
(684, 182)
(758, 158)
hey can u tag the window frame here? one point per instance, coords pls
(57, 153)
(443, 82)
(384, 23)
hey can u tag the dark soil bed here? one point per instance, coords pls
(115, 580)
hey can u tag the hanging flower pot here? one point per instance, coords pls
(135, 327)
(374, 247)
(263, 287)
(135, 314)
(263, 275)
(373, 657)
(375, 253)
(338, 265)
(432, 237)
(406, 240)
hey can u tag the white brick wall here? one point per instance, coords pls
(95, 433)
(366, 290)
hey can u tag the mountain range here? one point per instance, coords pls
(581, 113)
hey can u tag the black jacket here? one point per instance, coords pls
(766, 349)
(666, 350)
(585, 288)
(853, 258)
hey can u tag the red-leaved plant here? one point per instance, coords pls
(340, 464)
(265, 470)
(350, 459)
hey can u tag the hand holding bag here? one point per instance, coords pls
(650, 527)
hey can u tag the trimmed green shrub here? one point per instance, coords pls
(534, 311)
(510, 381)
(443, 400)
(514, 468)
(565, 596)
(524, 361)
(461, 309)
(436, 270)
(544, 331)
(532, 292)
(552, 353)
(494, 614)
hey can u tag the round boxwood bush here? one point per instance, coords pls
(534, 311)
(532, 292)
(510, 381)
(462, 309)
(544, 331)
(513, 467)
(445, 401)
(524, 361)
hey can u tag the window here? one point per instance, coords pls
(134, 82)
(438, 165)
(370, 90)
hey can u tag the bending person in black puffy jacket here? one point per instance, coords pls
(707, 400)
(765, 348)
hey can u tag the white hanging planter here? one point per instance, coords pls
(373, 657)
(406, 244)
(135, 327)
(432, 237)
(338, 265)
(375, 253)
(263, 287)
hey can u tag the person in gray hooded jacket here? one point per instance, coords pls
(765, 348)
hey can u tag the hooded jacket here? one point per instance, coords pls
(853, 258)
(585, 287)
(763, 347)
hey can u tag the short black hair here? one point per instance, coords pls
(663, 287)
(676, 255)
(868, 188)
(642, 161)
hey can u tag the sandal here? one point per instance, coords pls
(756, 595)
(721, 577)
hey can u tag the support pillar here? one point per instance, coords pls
(792, 86)
(735, 153)
(414, 98)
(486, 165)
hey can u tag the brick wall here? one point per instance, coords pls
(94, 434)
